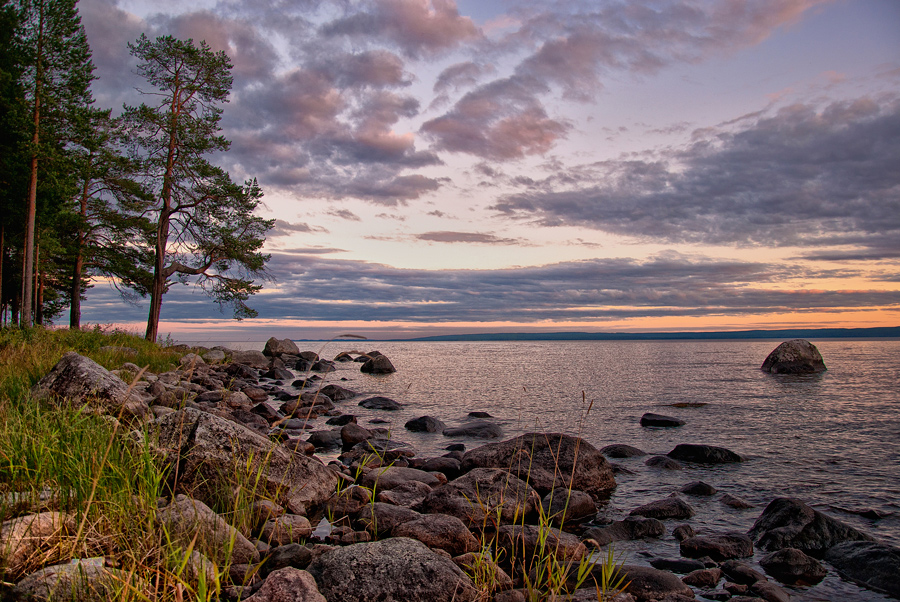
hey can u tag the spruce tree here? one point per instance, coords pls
(205, 227)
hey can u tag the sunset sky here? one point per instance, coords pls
(490, 165)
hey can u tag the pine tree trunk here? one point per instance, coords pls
(28, 291)
(78, 268)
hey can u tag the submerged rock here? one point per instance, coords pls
(379, 364)
(790, 523)
(620, 450)
(873, 565)
(791, 566)
(658, 420)
(633, 527)
(723, 546)
(477, 429)
(703, 454)
(798, 356)
(670, 507)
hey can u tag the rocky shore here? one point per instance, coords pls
(507, 521)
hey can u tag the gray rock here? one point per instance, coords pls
(207, 448)
(381, 519)
(477, 429)
(794, 357)
(698, 488)
(633, 527)
(285, 529)
(425, 424)
(337, 393)
(670, 507)
(378, 452)
(703, 454)
(254, 359)
(732, 501)
(77, 581)
(290, 555)
(658, 420)
(394, 570)
(81, 381)
(186, 519)
(449, 467)
(565, 506)
(548, 461)
(723, 546)
(792, 566)
(677, 565)
(408, 494)
(483, 495)
(352, 433)
(620, 450)
(22, 537)
(275, 347)
(384, 479)
(441, 531)
(520, 544)
(741, 572)
(380, 403)
(325, 439)
(873, 565)
(789, 523)
(663, 462)
(648, 583)
(379, 364)
(288, 585)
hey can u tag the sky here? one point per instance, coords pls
(440, 167)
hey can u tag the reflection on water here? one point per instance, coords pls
(832, 440)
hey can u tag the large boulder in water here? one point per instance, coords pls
(275, 347)
(798, 356)
(207, 450)
(81, 381)
(873, 565)
(703, 454)
(379, 364)
(547, 461)
(644, 583)
(393, 570)
(789, 523)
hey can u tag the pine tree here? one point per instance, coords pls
(57, 82)
(204, 222)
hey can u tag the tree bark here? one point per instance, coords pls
(28, 292)
(78, 268)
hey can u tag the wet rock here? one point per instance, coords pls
(425, 424)
(278, 374)
(338, 393)
(288, 585)
(380, 518)
(663, 462)
(325, 439)
(408, 494)
(741, 572)
(872, 565)
(565, 506)
(380, 403)
(80, 381)
(670, 507)
(548, 461)
(275, 347)
(352, 433)
(650, 419)
(732, 501)
(206, 448)
(341, 420)
(703, 578)
(483, 495)
(285, 529)
(769, 592)
(682, 532)
(449, 467)
(633, 527)
(698, 488)
(77, 581)
(620, 450)
(439, 531)
(379, 364)
(794, 357)
(677, 565)
(394, 570)
(724, 546)
(476, 429)
(649, 584)
(190, 521)
(703, 454)
(791, 566)
(790, 523)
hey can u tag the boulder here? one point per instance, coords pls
(703, 454)
(379, 364)
(448, 466)
(337, 392)
(870, 564)
(647, 583)
(703, 578)
(378, 452)
(620, 450)
(384, 479)
(698, 488)
(352, 433)
(792, 566)
(394, 570)
(741, 572)
(380, 403)
(275, 347)
(81, 381)
(476, 429)
(522, 545)
(633, 527)
(663, 462)
(285, 529)
(677, 565)
(207, 450)
(769, 592)
(794, 357)
(254, 359)
(732, 501)
(441, 531)
(425, 424)
(790, 523)
(408, 494)
(658, 420)
(186, 518)
(288, 585)
(682, 532)
(670, 507)
(719, 547)
(482, 496)
(381, 519)
(566, 506)
(22, 537)
(77, 581)
(325, 439)
(547, 461)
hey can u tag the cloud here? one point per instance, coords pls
(285, 228)
(345, 214)
(799, 177)
(467, 237)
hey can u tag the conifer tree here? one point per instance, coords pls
(205, 227)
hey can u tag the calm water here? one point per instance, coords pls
(832, 440)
